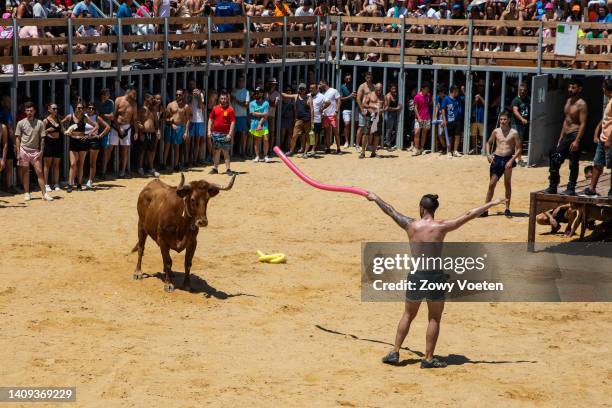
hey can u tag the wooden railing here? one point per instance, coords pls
(536, 40)
(276, 33)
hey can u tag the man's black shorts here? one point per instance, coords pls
(498, 165)
(427, 294)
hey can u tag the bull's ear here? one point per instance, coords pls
(213, 191)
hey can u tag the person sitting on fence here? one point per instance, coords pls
(6, 33)
(511, 13)
(304, 10)
(85, 5)
(88, 31)
(64, 5)
(30, 32)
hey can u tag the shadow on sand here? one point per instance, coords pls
(198, 285)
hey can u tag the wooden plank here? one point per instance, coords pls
(236, 20)
(6, 60)
(43, 41)
(94, 57)
(222, 52)
(186, 53)
(302, 20)
(376, 35)
(505, 39)
(511, 55)
(188, 37)
(428, 22)
(532, 221)
(436, 37)
(435, 53)
(303, 34)
(267, 51)
(506, 23)
(76, 22)
(584, 26)
(267, 34)
(142, 38)
(43, 59)
(301, 48)
(228, 36)
(37, 22)
(142, 54)
(370, 20)
(186, 20)
(111, 39)
(374, 50)
(265, 20)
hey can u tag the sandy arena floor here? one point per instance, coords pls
(278, 335)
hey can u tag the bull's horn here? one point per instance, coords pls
(229, 185)
(182, 182)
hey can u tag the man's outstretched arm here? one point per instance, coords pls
(401, 220)
(450, 225)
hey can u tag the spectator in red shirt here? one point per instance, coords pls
(221, 124)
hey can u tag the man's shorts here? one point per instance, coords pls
(417, 294)
(453, 128)
(498, 165)
(220, 141)
(361, 120)
(346, 116)
(477, 129)
(602, 157)
(301, 127)
(196, 129)
(147, 141)
(27, 156)
(115, 140)
(317, 127)
(172, 136)
(330, 121)
(260, 133)
(422, 124)
(241, 124)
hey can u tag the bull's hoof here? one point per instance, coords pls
(168, 287)
(137, 276)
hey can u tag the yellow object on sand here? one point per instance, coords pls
(276, 258)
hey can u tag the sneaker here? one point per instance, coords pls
(153, 173)
(230, 173)
(39, 69)
(267, 159)
(213, 171)
(48, 188)
(79, 187)
(27, 197)
(486, 49)
(433, 363)
(56, 187)
(303, 43)
(449, 155)
(20, 69)
(69, 188)
(551, 190)
(497, 49)
(47, 197)
(457, 154)
(256, 159)
(391, 358)
(312, 43)
(477, 49)
(569, 192)
(141, 172)
(484, 214)
(344, 57)
(55, 68)
(89, 185)
(518, 49)
(289, 153)
(345, 146)
(357, 57)
(588, 192)
(122, 174)
(507, 213)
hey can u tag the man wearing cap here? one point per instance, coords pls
(303, 116)
(259, 109)
(273, 97)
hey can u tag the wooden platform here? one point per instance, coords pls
(541, 201)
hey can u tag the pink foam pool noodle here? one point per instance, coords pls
(314, 183)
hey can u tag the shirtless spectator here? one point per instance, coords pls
(178, 113)
(568, 146)
(374, 103)
(124, 126)
(364, 89)
(148, 136)
(507, 152)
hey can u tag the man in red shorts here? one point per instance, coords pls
(330, 115)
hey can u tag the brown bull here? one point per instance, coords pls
(172, 217)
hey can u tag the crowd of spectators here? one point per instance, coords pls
(513, 11)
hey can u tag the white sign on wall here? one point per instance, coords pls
(567, 39)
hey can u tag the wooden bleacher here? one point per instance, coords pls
(541, 201)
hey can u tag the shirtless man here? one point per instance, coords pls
(507, 152)
(510, 14)
(124, 126)
(177, 128)
(148, 135)
(374, 105)
(420, 232)
(603, 138)
(569, 140)
(364, 89)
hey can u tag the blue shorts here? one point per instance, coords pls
(196, 129)
(174, 136)
(602, 157)
(105, 142)
(241, 124)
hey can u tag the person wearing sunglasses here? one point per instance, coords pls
(79, 144)
(95, 141)
(303, 122)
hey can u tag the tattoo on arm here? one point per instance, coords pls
(400, 219)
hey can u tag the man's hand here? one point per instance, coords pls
(509, 164)
(371, 196)
(575, 145)
(228, 138)
(524, 121)
(158, 134)
(605, 139)
(258, 128)
(443, 124)
(2, 165)
(490, 158)
(174, 126)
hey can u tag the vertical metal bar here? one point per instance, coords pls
(173, 85)
(247, 47)
(230, 88)
(224, 83)
(451, 78)
(402, 89)
(150, 84)
(208, 44)
(290, 76)
(502, 102)
(119, 48)
(384, 126)
(92, 89)
(520, 78)
(66, 158)
(469, 48)
(216, 79)
(253, 80)
(468, 112)
(80, 87)
(336, 67)
(40, 98)
(353, 105)
(28, 90)
(52, 96)
(486, 112)
(326, 60)
(184, 80)
(419, 79)
(317, 51)
(140, 97)
(540, 42)
(434, 129)
(16, 56)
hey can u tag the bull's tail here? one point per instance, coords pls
(135, 248)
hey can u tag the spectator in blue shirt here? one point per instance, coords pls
(125, 11)
(451, 120)
(85, 5)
